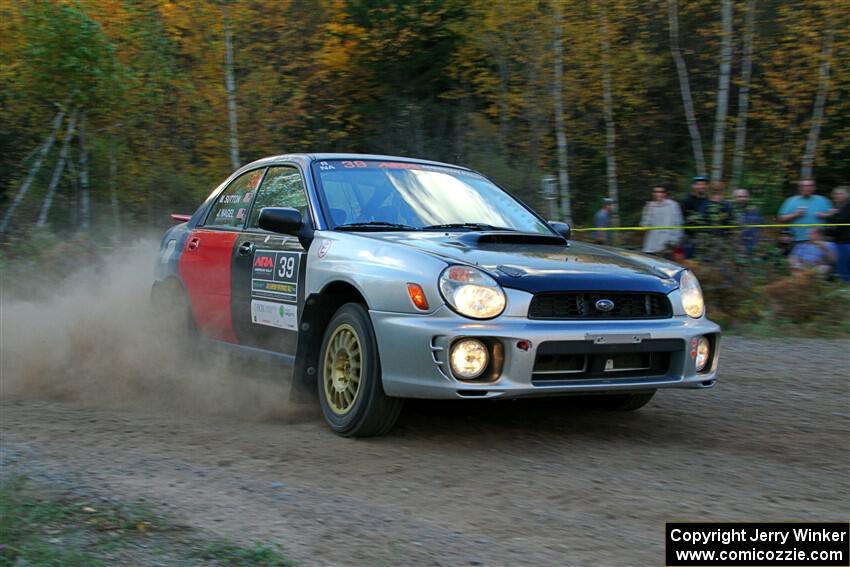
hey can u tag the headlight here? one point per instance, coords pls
(471, 292)
(691, 294)
(469, 358)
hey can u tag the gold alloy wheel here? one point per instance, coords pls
(342, 369)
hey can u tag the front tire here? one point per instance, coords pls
(350, 391)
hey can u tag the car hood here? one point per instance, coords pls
(538, 267)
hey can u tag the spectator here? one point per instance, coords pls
(694, 209)
(661, 211)
(694, 205)
(747, 214)
(841, 234)
(602, 219)
(816, 253)
(717, 210)
(785, 241)
(805, 208)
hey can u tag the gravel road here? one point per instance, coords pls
(542, 482)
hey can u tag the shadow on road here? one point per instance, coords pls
(553, 418)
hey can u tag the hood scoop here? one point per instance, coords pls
(499, 237)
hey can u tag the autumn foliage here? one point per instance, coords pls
(468, 81)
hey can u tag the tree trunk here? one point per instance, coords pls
(744, 95)
(817, 111)
(461, 121)
(722, 93)
(610, 127)
(73, 191)
(113, 194)
(230, 85)
(685, 87)
(85, 198)
(33, 171)
(560, 133)
(503, 102)
(57, 171)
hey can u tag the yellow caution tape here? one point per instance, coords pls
(704, 227)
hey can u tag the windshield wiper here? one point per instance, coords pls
(467, 225)
(374, 225)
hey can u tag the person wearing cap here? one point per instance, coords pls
(746, 214)
(804, 209)
(661, 212)
(694, 205)
(718, 211)
(694, 208)
(602, 219)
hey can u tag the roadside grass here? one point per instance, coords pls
(42, 529)
(231, 555)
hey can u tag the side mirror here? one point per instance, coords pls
(561, 228)
(281, 220)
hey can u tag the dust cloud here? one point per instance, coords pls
(94, 339)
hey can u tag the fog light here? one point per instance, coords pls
(469, 358)
(703, 350)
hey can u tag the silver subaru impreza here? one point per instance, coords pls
(378, 278)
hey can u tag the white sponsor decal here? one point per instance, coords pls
(323, 249)
(280, 315)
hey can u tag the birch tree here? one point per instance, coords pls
(685, 86)
(744, 95)
(57, 170)
(33, 171)
(230, 85)
(560, 132)
(85, 197)
(608, 112)
(113, 193)
(817, 110)
(722, 93)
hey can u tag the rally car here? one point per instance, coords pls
(377, 278)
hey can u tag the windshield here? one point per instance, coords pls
(391, 195)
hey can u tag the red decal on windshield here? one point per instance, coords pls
(397, 165)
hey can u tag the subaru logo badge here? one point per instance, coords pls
(604, 305)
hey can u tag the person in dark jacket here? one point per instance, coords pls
(840, 214)
(746, 214)
(718, 211)
(694, 208)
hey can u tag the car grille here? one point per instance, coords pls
(565, 362)
(582, 305)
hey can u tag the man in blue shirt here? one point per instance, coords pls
(602, 219)
(805, 208)
(816, 254)
(746, 214)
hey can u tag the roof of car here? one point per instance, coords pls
(338, 156)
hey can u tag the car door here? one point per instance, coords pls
(269, 268)
(205, 264)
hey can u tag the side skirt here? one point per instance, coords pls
(251, 354)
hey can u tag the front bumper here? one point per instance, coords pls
(414, 354)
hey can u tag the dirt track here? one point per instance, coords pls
(515, 483)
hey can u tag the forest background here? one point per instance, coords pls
(116, 112)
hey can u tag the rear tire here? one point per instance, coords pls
(172, 309)
(350, 390)
(173, 312)
(623, 402)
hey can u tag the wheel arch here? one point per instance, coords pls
(318, 310)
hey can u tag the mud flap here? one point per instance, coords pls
(302, 388)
